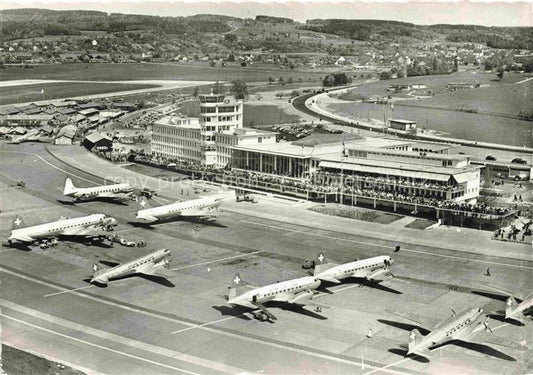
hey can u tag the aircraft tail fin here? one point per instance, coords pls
(237, 287)
(142, 204)
(69, 187)
(18, 223)
(97, 271)
(510, 307)
(414, 340)
(322, 264)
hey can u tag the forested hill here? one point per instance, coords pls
(31, 23)
(379, 30)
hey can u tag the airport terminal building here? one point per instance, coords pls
(207, 140)
(387, 168)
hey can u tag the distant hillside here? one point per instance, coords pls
(379, 30)
(31, 23)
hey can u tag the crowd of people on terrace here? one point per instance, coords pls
(330, 183)
(376, 190)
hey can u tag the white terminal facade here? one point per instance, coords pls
(207, 140)
(411, 168)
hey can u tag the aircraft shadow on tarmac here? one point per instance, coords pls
(233, 311)
(238, 311)
(161, 280)
(403, 353)
(477, 347)
(500, 317)
(495, 296)
(106, 200)
(154, 225)
(374, 284)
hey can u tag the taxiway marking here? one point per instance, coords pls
(50, 164)
(385, 368)
(503, 325)
(205, 324)
(132, 343)
(384, 246)
(68, 291)
(216, 260)
(97, 346)
(523, 81)
(9, 213)
(330, 357)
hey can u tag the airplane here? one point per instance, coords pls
(79, 226)
(146, 265)
(200, 208)
(116, 191)
(370, 269)
(297, 291)
(517, 309)
(517, 305)
(461, 326)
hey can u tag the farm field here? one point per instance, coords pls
(28, 93)
(508, 99)
(139, 71)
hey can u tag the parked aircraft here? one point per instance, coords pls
(370, 269)
(200, 208)
(517, 309)
(298, 291)
(116, 191)
(146, 265)
(458, 327)
(79, 226)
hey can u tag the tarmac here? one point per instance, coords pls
(181, 324)
(453, 238)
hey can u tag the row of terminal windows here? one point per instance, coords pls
(188, 133)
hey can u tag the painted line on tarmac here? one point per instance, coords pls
(9, 213)
(385, 368)
(118, 339)
(216, 260)
(523, 81)
(98, 346)
(205, 324)
(503, 325)
(50, 164)
(384, 246)
(68, 291)
(241, 336)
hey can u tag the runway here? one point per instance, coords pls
(185, 326)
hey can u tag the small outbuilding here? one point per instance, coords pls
(98, 142)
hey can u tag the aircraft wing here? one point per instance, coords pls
(22, 238)
(422, 321)
(330, 279)
(148, 218)
(380, 274)
(200, 213)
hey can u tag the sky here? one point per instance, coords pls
(422, 12)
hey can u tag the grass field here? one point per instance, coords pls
(18, 362)
(30, 93)
(170, 71)
(356, 213)
(266, 115)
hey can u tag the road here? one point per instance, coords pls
(183, 326)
